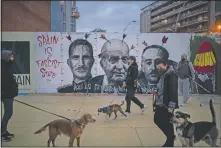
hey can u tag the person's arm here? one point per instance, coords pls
(192, 71)
(173, 92)
(134, 73)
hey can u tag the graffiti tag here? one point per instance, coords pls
(47, 66)
(47, 40)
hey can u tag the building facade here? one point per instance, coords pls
(178, 16)
(56, 16)
(62, 19)
(26, 16)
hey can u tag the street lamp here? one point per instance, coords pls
(128, 25)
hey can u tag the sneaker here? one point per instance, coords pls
(144, 108)
(9, 134)
(5, 138)
(127, 113)
(181, 105)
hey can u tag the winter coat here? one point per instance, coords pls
(9, 86)
(132, 75)
(167, 89)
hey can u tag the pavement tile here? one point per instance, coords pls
(136, 130)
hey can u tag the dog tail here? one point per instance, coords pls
(122, 103)
(212, 111)
(42, 129)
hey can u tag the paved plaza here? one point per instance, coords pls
(137, 130)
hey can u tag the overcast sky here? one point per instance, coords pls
(112, 16)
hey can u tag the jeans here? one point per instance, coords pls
(130, 96)
(184, 87)
(8, 111)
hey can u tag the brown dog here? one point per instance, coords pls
(71, 129)
(112, 108)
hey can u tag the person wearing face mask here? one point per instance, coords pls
(9, 90)
(131, 85)
(186, 73)
(166, 100)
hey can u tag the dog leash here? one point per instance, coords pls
(42, 110)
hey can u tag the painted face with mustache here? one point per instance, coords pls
(81, 61)
(148, 65)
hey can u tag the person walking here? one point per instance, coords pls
(166, 100)
(131, 85)
(186, 73)
(9, 90)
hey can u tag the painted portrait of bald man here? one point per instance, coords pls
(149, 76)
(113, 60)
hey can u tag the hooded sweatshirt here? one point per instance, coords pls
(167, 89)
(9, 87)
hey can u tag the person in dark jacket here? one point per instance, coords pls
(131, 85)
(9, 90)
(166, 100)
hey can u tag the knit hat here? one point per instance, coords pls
(132, 58)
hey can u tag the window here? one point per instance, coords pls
(72, 28)
(64, 17)
(62, 8)
(73, 10)
(72, 20)
(72, 3)
(64, 27)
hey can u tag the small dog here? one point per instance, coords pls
(112, 108)
(191, 133)
(68, 128)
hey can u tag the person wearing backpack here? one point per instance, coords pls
(186, 73)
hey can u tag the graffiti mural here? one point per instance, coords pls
(204, 61)
(97, 62)
(21, 66)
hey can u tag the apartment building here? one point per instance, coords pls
(62, 18)
(178, 16)
(26, 16)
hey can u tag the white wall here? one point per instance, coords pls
(25, 36)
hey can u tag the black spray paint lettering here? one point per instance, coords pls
(82, 86)
(22, 79)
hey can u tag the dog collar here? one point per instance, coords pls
(76, 121)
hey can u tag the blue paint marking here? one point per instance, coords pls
(22, 94)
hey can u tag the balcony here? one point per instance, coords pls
(174, 4)
(193, 13)
(158, 4)
(163, 23)
(188, 30)
(188, 6)
(183, 16)
(193, 22)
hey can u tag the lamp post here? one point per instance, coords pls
(128, 25)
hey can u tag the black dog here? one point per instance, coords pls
(191, 133)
